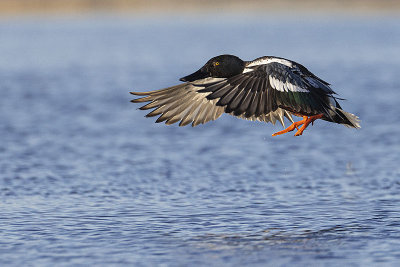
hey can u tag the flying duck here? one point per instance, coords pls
(265, 89)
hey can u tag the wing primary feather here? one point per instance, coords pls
(256, 96)
(161, 91)
(212, 87)
(162, 110)
(220, 92)
(155, 112)
(251, 88)
(163, 117)
(261, 103)
(172, 120)
(243, 92)
(244, 104)
(253, 105)
(150, 105)
(224, 100)
(180, 110)
(173, 110)
(270, 99)
(236, 100)
(188, 118)
(205, 114)
(142, 99)
(209, 114)
(199, 116)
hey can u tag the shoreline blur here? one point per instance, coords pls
(21, 7)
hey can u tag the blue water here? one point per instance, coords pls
(85, 179)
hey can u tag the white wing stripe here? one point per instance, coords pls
(285, 87)
(263, 61)
(247, 70)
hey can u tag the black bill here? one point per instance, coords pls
(200, 74)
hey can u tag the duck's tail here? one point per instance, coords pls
(346, 118)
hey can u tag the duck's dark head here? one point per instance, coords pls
(223, 66)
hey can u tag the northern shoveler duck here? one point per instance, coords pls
(265, 89)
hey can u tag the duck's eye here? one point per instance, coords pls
(216, 63)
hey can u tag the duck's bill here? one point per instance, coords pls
(200, 74)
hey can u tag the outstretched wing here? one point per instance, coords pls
(262, 89)
(180, 103)
(188, 104)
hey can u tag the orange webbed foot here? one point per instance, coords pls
(295, 125)
(304, 122)
(307, 122)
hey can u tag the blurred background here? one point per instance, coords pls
(73, 6)
(85, 179)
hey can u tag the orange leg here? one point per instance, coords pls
(307, 122)
(295, 125)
